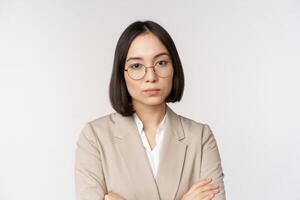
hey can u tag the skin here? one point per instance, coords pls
(151, 108)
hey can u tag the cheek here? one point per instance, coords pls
(169, 84)
(132, 86)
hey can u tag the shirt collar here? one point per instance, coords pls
(140, 126)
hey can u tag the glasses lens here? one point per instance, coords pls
(136, 71)
(163, 69)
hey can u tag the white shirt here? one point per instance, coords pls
(153, 155)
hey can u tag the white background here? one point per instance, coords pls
(242, 66)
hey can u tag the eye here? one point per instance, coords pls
(136, 66)
(162, 62)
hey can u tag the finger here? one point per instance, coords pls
(210, 194)
(199, 184)
(208, 187)
(202, 194)
(208, 197)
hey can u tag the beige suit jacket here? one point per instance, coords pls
(110, 157)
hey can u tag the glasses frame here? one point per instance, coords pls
(146, 69)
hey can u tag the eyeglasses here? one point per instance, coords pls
(137, 71)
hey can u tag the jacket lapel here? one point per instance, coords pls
(132, 151)
(172, 155)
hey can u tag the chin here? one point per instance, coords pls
(152, 101)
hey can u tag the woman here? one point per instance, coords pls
(145, 150)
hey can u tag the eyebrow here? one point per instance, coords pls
(139, 58)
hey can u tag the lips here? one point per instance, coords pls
(151, 89)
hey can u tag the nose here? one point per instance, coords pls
(150, 75)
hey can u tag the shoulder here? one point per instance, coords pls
(189, 124)
(103, 120)
(101, 124)
(198, 135)
(195, 130)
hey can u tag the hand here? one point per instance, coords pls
(113, 196)
(202, 190)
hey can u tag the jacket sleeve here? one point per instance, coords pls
(211, 162)
(89, 177)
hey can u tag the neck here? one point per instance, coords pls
(151, 116)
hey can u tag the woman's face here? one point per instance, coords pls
(144, 50)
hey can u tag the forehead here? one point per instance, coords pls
(146, 45)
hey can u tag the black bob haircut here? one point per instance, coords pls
(118, 93)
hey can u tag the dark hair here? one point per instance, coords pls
(118, 93)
